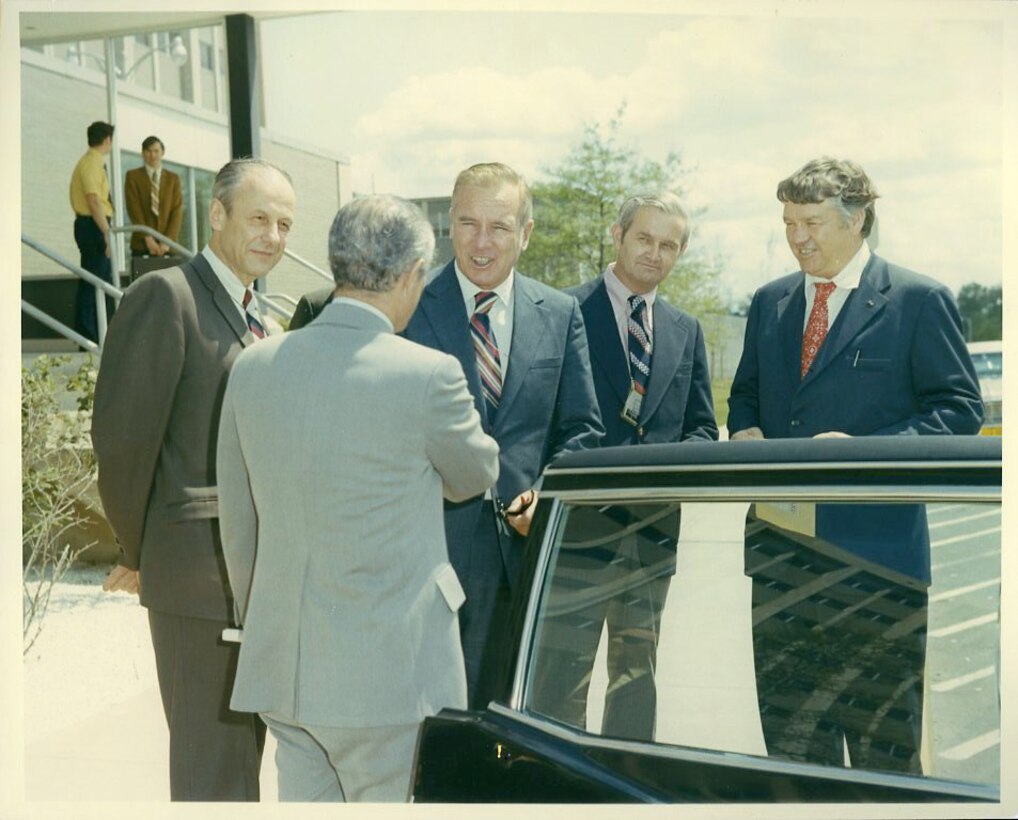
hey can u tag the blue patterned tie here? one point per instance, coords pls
(640, 345)
(252, 322)
(489, 366)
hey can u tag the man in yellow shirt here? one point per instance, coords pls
(90, 199)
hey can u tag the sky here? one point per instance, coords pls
(413, 97)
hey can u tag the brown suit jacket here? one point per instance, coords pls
(138, 199)
(154, 427)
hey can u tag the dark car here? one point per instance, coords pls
(748, 545)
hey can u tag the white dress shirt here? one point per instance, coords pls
(500, 317)
(234, 287)
(846, 281)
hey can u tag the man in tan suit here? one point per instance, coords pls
(157, 399)
(153, 198)
(336, 447)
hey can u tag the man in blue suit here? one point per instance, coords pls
(524, 352)
(653, 385)
(851, 345)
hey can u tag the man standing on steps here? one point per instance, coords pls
(93, 210)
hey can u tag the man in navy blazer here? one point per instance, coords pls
(524, 353)
(852, 345)
(650, 234)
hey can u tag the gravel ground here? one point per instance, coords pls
(94, 650)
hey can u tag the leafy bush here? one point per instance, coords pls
(57, 470)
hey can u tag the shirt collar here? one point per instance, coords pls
(156, 171)
(346, 300)
(234, 287)
(470, 290)
(620, 292)
(849, 276)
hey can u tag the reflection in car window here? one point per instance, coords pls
(808, 632)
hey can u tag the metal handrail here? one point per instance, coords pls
(265, 300)
(101, 287)
(58, 326)
(310, 266)
(175, 246)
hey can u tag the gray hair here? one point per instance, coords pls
(664, 201)
(490, 174)
(232, 174)
(376, 239)
(839, 179)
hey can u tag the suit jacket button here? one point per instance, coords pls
(795, 422)
(640, 432)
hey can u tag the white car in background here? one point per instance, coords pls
(988, 358)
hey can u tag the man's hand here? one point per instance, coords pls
(152, 246)
(163, 249)
(832, 434)
(520, 512)
(122, 579)
(748, 433)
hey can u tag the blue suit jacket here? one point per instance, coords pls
(678, 405)
(547, 407)
(894, 362)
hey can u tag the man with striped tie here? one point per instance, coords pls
(157, 399)
(653, 385)
(524, 352)
(152, 197)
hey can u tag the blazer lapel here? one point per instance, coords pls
(442, 305)
(606, 350)
(791, 311)
(668, 341)
(864, 304)
(529, 326)
(224, 304)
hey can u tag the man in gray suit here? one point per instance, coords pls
(331, 508)
(157, 399)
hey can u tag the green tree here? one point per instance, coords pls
(576, 205)
(982, 311)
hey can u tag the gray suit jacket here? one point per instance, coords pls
(161, 380)
(335, 449)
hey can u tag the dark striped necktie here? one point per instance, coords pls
(489, 364)
(252, 322)
(640, 345)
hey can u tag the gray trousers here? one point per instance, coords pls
(215, 753)
(328, 764)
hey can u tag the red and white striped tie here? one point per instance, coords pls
(489, 364)
(252, 322)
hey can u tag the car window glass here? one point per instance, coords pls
(801, 631)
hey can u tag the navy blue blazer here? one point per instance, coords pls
(894, 362)
(678, 405)
(548, 405)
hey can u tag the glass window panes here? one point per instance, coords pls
(863, 635)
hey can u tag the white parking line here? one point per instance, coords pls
(961, 627)
(956, 683)
(964, 537)
(954, 593)
(973, 517)
(940, 508)
(970, 748)
(967, 559)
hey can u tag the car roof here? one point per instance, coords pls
(868, 449)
